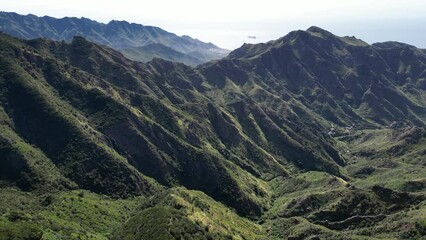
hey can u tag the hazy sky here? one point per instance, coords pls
(228, 23)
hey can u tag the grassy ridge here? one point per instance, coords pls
(61, 215)
(254, 146)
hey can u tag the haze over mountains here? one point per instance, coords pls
(308, 136)
(135, 41)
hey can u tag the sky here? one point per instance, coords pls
(228, 23)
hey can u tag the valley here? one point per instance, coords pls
(310, 136)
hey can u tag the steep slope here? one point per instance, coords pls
(136, 108)
(343, 79)
(158, 50)
(267, 132)
(71, 114)
(34, 114)
(180, 213)
(136, 41)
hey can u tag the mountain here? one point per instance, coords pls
(343, 79)
(135, 41)
(308, 136)
(158, 50)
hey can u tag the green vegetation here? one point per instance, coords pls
(310, 136)
(180, 213)
(76, 214)
(135, 41)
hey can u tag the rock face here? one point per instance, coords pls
(135, 41)
(294, 132)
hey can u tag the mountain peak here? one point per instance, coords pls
(119, 22)
(317, 30)
(303, 37)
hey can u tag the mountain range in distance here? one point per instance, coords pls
(137, 42)
(310, 136)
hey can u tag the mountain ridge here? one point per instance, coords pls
(291, 45)
(119, 35)
(274, 141)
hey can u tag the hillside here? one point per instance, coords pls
(136, 41)
(311, 135)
